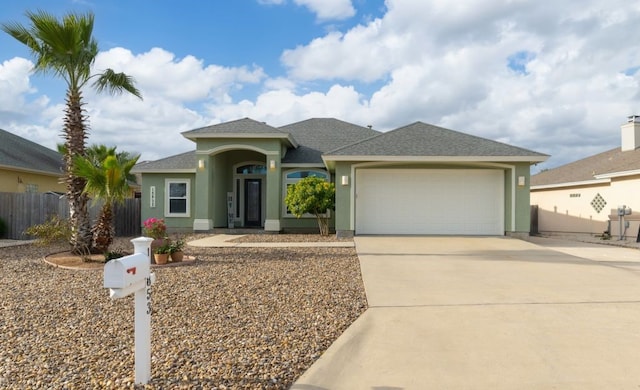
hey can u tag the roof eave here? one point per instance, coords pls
(632, 172)
(529, 159)
(167, 170)
(28, 170)
(570, 184)
(286, 137)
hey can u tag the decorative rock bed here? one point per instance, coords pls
(237, 318)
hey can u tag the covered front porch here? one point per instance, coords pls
(238, 187)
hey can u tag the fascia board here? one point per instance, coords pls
(287, 137)
(184, 170)
(303, 165)
(27, 170)
(618, 174)
(571, 184)
(438, 158)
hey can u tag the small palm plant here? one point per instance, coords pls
(107, 177)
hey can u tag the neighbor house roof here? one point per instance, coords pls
(431, 143)
(241, 128)
(320, 135)
(21, 154)
(601, 166)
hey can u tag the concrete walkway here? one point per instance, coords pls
(489, 313)
(224, 241)
(4, 243)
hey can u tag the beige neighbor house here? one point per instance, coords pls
(28, 167)
(584, 196)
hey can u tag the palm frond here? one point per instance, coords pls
(116, 83)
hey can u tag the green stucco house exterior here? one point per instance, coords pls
(417, 179)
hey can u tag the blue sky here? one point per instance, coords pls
(558, 80)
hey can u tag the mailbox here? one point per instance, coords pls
(126, 271)
(132, 275)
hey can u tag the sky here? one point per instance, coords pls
(557, 79)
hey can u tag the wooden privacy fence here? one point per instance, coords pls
(21, 210)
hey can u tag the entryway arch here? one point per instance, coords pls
(249, 193)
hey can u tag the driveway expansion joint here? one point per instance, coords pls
(501, 304)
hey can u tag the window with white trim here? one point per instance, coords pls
(177, 199)
(292, 177)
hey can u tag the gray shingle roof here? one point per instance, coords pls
(611, 161)
(329, 137)
(319, 135)
(240, 126)
(180, 161)
(421, 139)
(21, 153)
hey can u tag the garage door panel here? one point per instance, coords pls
(430, 201)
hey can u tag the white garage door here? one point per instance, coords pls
(430, 201)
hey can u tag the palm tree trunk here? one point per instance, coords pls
(75, 136)
(103, 231)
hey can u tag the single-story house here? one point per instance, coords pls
(584, 196)
(417, 179)
(28, 167)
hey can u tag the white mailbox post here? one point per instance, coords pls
(132, 274)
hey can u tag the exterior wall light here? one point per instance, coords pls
(200, 164)
(272, 164)
(345, 180)
(521, 181)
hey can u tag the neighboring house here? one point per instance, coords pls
(417, 179)
(28, 167)
(584, 196)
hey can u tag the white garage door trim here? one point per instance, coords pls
(429, 201)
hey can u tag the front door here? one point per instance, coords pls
(253, 202)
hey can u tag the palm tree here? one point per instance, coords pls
(67, 49)
(107, 176)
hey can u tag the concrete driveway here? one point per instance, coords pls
(489, 313)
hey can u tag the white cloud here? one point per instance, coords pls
(324, 9)
(158, 72)
(281, 107)
(329, 9)
(152, 126)
(15, 85)
(557, 79)
(447, 63)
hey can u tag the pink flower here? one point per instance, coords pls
(154, 228)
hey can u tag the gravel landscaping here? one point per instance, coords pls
(240, 318)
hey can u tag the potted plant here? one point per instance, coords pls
(156, 229)
(177, 247)
(161, 254)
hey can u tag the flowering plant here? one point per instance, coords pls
(154, 228)
(177, 245)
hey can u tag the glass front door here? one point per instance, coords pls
(253, 202)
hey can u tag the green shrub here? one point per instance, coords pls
(54, 230)
(312, 195)
(114, 254)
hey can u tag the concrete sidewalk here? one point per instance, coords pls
(489, 313)
(224, 241)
